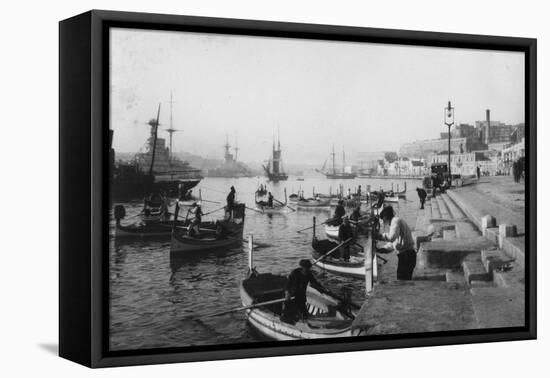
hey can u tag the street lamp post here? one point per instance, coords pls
(449, 121)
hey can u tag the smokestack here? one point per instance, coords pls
(487, 130)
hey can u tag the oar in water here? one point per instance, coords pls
(284, 204)
(256, 210)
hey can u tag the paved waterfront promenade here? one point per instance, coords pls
(467, 276)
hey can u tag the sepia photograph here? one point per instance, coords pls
(269, 188)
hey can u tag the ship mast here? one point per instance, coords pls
(333, 160)
(343, 160)
(236, 148)
(171, 130)
(154, 124)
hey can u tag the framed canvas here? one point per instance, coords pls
(234, 188)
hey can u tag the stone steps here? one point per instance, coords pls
(475, 271)
(444, 211)
(454, 210)
(494, 259)
(512, 277)
(455, 277)
(436, 213)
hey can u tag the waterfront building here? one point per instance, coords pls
(466, 164)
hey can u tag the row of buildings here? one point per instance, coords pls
(491, 145)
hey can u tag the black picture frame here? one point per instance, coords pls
(83, 156)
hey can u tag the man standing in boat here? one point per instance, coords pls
(230, 202)
(345, 232)
(294, 306)
(196, 223)
(401, 237)
(270, 200)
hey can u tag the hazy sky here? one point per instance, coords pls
(367, 97)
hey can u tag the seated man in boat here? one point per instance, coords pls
(270, 200)
(339, 212)
(401, 237)
(294, 307)
(345, 232)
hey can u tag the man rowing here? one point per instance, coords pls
(294, 306)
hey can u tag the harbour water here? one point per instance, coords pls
(157, 301)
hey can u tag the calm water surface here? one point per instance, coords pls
(157, 302)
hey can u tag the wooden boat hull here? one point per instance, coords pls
(355, 267)
(186, 244)
(148, 230)
(313, 204)
(267, 320)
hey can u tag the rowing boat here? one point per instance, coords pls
(224, 234)
(354, 267)
(146, 230)
(327, 316)
(276, 207)
(313, 203)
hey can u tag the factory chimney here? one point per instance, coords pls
(488, 128)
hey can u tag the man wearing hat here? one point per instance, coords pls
(345, 232)
(294, 307)
(230, 203)
(339, 212)
(401, 237)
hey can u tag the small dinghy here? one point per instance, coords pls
(277, 207)
(327, 318)
(220, 235)
(355, 267)
(145, 228)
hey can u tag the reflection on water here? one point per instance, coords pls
(157, 299)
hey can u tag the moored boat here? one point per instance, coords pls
(327, 316)
(148, 227)
(313, 203)
(221, 235)
(355, 266)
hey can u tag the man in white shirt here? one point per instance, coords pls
(401, 237)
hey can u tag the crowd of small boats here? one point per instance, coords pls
(262, 294)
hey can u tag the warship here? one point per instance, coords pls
(230, 166)
(156, 169)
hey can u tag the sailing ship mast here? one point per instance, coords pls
(154, 125)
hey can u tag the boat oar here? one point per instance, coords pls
(255, 305)
(284, 204)
(203, 200)
(213, 211)
(256, 210)
(331, 251)
(310, 227)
